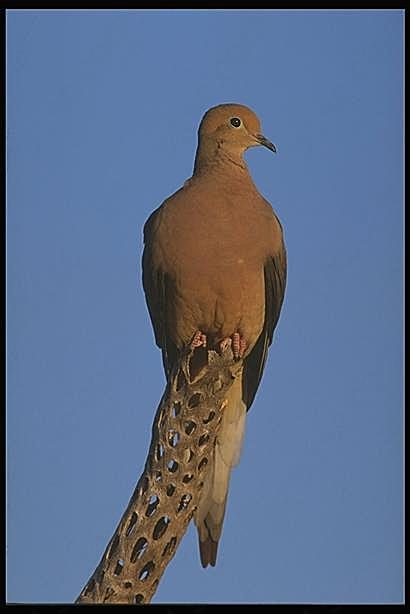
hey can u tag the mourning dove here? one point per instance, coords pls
(214, 274)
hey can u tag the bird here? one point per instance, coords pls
(214, 274)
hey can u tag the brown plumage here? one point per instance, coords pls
(214, 261)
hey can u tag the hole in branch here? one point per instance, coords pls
(176, 408)
(194, 400)
(119, 567)
(184, 502)
(131, 524)
(114, 546)
(203, 439)
(188, 455)
(210, 417)
(146, 570)
(152, 505)
(169, 548)
(189, 427)
(161, 527)
(172, 466)
(173, 438)
(170, 490)
(143, 484)
(139, 549)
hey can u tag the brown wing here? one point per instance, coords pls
(254, 363)
(157, 285)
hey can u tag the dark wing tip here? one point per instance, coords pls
(254, 363)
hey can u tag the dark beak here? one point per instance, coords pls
(264, 141)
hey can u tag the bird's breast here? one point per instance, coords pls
(215, 258)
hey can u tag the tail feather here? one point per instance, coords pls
(208, 550)
(210, 513)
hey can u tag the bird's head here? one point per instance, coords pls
(230, 129)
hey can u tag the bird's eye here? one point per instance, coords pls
(235, 122)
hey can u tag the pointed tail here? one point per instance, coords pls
(210, 513)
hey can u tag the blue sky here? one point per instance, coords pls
(102, 114)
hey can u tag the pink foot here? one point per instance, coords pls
(198, 340)
(237, 343)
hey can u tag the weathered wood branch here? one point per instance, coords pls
(167, 493)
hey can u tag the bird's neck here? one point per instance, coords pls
(215, 157)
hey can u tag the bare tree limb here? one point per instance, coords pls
(167, 493)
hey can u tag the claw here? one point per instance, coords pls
(237, 343)
(198, 340)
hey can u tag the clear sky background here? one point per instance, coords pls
(102, 115)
